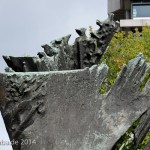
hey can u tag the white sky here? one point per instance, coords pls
(27, 24)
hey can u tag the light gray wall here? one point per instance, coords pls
(113, 5)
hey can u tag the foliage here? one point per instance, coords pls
(90, 29)
(126, 141)
(145, 141)
(123, 47)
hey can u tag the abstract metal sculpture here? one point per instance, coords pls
(59, 55)
(56, 103)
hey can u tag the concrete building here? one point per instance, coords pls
(130, 13)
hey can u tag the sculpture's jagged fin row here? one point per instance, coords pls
(59, 55)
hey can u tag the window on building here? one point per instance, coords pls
(137, 1)
(140, 10)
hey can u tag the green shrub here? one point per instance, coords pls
(123, 47)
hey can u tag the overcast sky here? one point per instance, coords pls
(27, 24)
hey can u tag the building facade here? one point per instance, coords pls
(130, 13)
